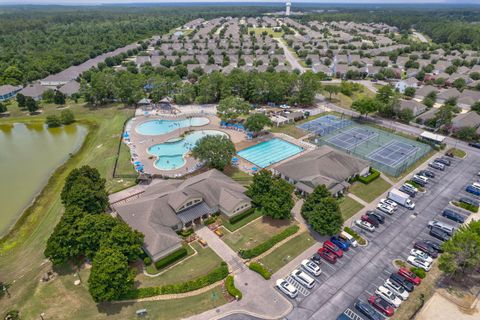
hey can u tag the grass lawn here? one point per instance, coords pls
(458, 153)
(190, 268)
(345, 101)
(237, 225)
(270, 31)
(238, 175)
(348, 207)
(371, 191)
(151, 269)
(124, 166)
(255, 233)
(286, 252)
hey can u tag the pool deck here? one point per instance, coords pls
(140, 143)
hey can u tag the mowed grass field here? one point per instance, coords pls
(371, 191)
(348, 207)
(21, 252)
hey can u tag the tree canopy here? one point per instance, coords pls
(232, 107)
(256, 122)
(215, 150)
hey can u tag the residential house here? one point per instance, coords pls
(469, 119)
(404, 84)
(35, 91)
(8, 91)
(416, 107)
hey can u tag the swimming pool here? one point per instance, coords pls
(170, 155)
(269, 152)
(158, 127)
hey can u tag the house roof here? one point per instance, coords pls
(33, 90)
(6, 89)
(70, 88)
(413, 105)
(469, 119)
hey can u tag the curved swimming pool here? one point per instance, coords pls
(159, 127)
(171, 155)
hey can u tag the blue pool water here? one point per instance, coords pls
(170, 155)
(158, 127)
(269, 152)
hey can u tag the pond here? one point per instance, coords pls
(29, 153)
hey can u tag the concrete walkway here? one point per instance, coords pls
(354, 197)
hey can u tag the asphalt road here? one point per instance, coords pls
(356, 275)
(290, 57)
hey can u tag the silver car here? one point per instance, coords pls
(287, 288)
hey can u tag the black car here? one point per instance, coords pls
(469, 201)
(401, 280)
(438, 233)
(316, 258)
(420, 245)
(377, 215)
(474, 144)
(452, 215)
(444, 161)
(426, 173)
(437, 246)
(367, 310)
(408, 191)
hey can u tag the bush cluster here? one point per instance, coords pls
(261, 248)
(260, 269)
(357, 237)
(419, 272)
(241, 216)
(374, 174)
(231, 289)
(171, 258)
(466, 206)
(209, 221)
(221, 272)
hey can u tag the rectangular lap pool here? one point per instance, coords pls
(269, 152)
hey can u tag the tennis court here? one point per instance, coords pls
(394, 153)
(325, 124)
(352, 137)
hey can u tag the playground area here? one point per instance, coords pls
(386, 151)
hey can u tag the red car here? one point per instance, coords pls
(333, 248)
(327, 255)
(410, 276)
(374, 222)
(381, 305)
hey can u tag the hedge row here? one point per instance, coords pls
(261, 248)
(171, 258)
(209, 221)
(231, 289)
(374, 174)
(241, 216)
(216, 275)
(419, 272)
(260, 269)
(466, 206)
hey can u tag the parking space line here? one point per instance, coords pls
(330, 266)
(304, 291)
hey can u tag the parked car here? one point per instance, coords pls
(410, 186)
(381, 305)
(419, 181)
(287, 288)
(469, 201)
(390, 203)
(453, 215)
(367, 310)
(421, 245)
(443, 161)
(303, 278)
(316, 258)
(396, 288)
(402, 281)
(437, 166)
(370, 219)
(339, 242)
(419, 263)
(327, 255)
(348, 237)
(311, 267)
(389, 296)
(426, 173)
(384, 208)
(421, 255)
(474, 189)
(437, 246)
(438, 233)
(365, 225)
(474, 144)
(420, 177)
(330, 246)
(407, 275)
(380, 217)
(446, 227)
(408, 191)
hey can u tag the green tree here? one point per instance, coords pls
(3, 108)
(306, 87)
(320, 192)
(466, 134)
(325, 217)
(48, 96)
(365, 105)
(405, 115)
(126, 240)
(256, 122)
(232, 107)
(21, 100)
(59, 98)
(410, 92)
(260, 186)
(12, 75)
(31, 104)
(93, 229)
(331, 89)
(67, 116)
(279, 203)
(476, 107)
(385, 94)
(215, 150)
(129, 87)
(110, 277)
(459, 83)
(52, 121)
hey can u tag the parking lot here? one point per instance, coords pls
(363, 269)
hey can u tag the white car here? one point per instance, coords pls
(348, 237)
(387, 209)
(303, 278)
(388, 296)
(419, 263)
(389, 202)
(476, 185)
(397, 289)
(287, 288)
(421, 255)
(365, 225)
(311, 267)
(411, 186)
(422, 178)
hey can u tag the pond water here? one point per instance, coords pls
(29, 153)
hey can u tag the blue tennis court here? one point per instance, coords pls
(269, 152)
(394, 153)
(352, 137)
(325, 124)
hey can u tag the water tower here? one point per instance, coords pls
(288, 5)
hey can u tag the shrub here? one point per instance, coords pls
(466, 206)
(260, 269)
(209, 221)
(261, 248)
(418, 272)
(231, 289)
(374, 174)
(147, 261)
(221, 272)
(53, 121)
(357, 237)
(185, 233)
(241, 216)
(171, 258)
